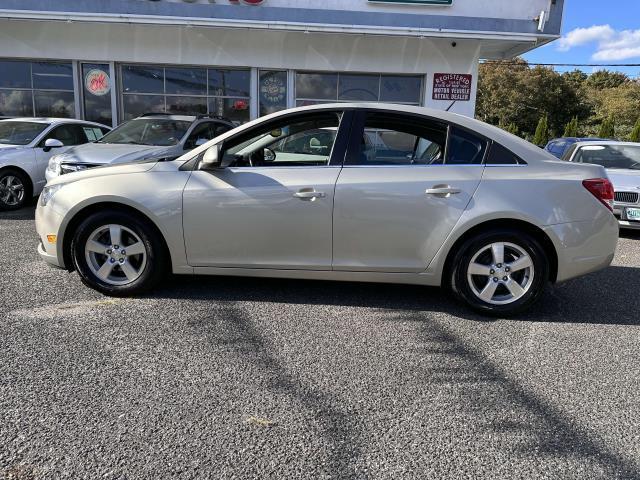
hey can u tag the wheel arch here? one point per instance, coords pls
(79, 216)
(511, 224)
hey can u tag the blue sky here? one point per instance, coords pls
(596, 31)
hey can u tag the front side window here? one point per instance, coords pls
(205, 132)
(20, 133)
(69, 135)
(304, 142)
(158, 132)
(390, 139)
(610, 156)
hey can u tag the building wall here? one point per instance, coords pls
(179, 45)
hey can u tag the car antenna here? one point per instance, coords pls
(452, 104)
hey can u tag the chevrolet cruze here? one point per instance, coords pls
(357, 192)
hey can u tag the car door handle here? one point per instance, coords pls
(309, 194)
(443, 191)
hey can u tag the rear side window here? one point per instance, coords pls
(396, 140)
(465, 148)
(499, 155)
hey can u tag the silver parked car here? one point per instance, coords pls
(440, 199)
(622, 161)
(27, 144)
(150, 136)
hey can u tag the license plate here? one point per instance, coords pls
(633, 213)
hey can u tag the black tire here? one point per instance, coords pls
(462, 288)
(150, 274)
(28, 191)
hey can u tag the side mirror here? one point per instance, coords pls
(269, 155)
(211, 158)
(52, 143)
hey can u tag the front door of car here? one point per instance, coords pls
(401, 191)
(272, 207)
(69, 134)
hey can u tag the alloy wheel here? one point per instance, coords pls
(115, 254)
(500, 273)
(11, 190)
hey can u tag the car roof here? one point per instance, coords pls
(54, 120)
(517, 145)
(606, 142)
(182, 118)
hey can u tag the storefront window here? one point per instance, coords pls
(43, 89)
(314, 88)
(273, 92)
(97, 85)
(363, 88)
(187, 91)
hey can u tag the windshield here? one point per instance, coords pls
(148, 131)
(611, 156)
(20, 133)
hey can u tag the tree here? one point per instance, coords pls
(571, 130)
(635, 133)
(542, 131)
(607, 128)
(603, 79)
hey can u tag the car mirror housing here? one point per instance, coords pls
(52, 143)
(213, 158)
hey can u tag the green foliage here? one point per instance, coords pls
(603, 79)
(510, 93)
(635, 133)
(509, 127)
(541, 137)
(607, 128)
(571, 130)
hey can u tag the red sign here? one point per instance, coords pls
(97, 82)
(452, 86)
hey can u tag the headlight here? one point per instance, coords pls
(48, 193)
(54, 164)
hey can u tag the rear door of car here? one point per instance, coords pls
(406, 181)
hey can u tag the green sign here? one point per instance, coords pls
(416, 2)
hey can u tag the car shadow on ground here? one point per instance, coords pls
(605, 297)
(26, 213)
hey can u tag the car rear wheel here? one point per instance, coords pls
(15, 190)
(118, 254)
(501, 272)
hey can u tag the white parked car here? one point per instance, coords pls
(442, 200)
(622, 161)
(27, 144)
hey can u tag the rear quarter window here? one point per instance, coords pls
(499, 155)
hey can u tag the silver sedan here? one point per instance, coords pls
(356, 192)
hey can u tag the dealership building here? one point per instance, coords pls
(111, 60)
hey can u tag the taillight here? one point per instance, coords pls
(602, 189)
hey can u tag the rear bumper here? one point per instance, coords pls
(584, 247)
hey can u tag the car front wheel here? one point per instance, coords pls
(500, 272)
(14, 190)
(118, 254)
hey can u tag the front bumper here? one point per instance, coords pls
(618, 211)
(48, 222)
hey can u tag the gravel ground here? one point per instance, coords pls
(254, 378)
